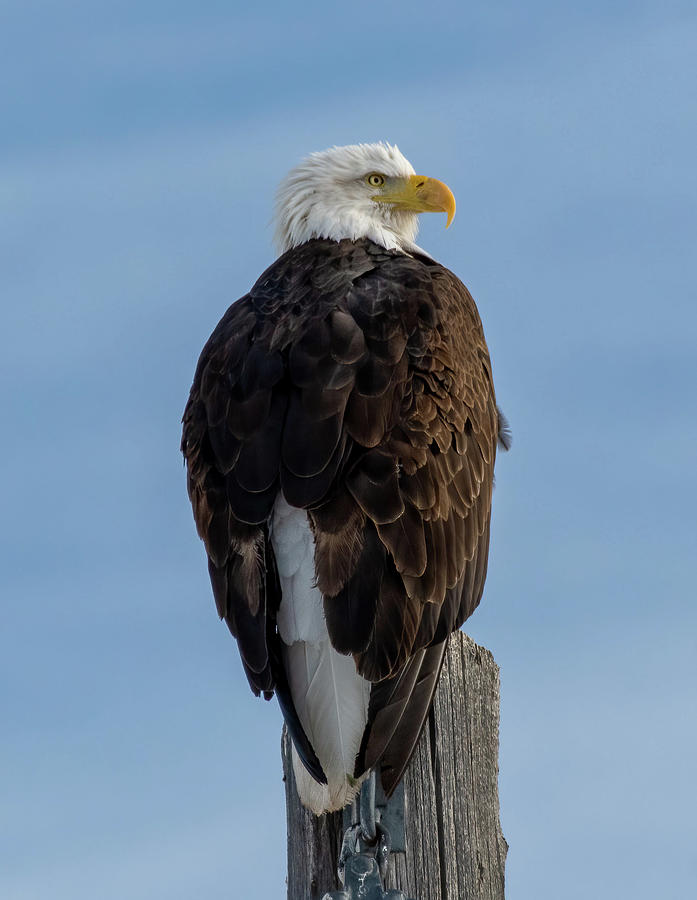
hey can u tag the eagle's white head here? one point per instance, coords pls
(358, 191)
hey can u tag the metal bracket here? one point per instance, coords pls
(367, 842)
(362, 881)
(390, 813)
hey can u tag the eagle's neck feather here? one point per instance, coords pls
(389, 230)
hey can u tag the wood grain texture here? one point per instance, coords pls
(313, 842)
(455, 847)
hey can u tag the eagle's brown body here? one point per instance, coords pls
(357, 382)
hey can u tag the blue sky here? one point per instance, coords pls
(141, 145)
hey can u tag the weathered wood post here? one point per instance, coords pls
(455, 848)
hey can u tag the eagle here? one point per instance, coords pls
(340, 438)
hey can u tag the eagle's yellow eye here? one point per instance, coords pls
(375, 180)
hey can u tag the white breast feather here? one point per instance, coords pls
(330, 697)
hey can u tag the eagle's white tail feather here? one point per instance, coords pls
(332, 705)
(300, 617)
(315, 796)
(331, 699)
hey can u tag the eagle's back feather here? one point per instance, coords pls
(356, 383)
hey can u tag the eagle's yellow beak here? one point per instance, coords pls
(418, 194)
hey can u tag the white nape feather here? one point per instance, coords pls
(327, 196)
(330, 697)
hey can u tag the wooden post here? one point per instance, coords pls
(455, 848)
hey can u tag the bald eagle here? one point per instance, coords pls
(340, 438)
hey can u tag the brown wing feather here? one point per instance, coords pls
(357, 381)
(395, 756)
